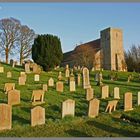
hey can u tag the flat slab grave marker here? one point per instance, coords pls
(14, 97)
(37, 97)
(105, 91)
(111, 106)
(116, 93)
(8, 87)
(59, 86)
(37, 116)
(93, 109)
(89, 94)
(86, 82)
(5, 116)
(128, 101)
(68, 108)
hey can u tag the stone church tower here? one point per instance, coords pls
(112, 49)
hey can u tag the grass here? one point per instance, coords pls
(105, 125)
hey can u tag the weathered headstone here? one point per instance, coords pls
(67, 73)
(45, 87)
(9, 74)
(93, 110)
(128, 101)
(51, 82)
(60, 76)
(27, 67)
(36, 77)
(79, 79)
(86, 82)
(100, 78)
(8, 87)
(37, 97)
(59, 86)
(14, 97)
(116, 93)
(72, 84)
(5, 116)
(68, 108)
(21, 80)
(139, 98)
(89, 94)
(105, 91)
(37, 116)
(23, 74)
(111, 106)
(1, 69)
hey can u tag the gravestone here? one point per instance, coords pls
(86, 82)
(1, 69)
(37, 116)
(67, 66)
(93, 109)
(21, 80)
(11, 62)
(92, 69)
(45, 87)
(14, 97)
(105, 91)
(36, 77)
(100, 78)
(37, 97)
(89, 94)
(23, 74)
(8, 87)
(51, 82)
(139, 98)
(79, 79)
(128, 101)
(5, 116)
(59, 86)
(67, 73)
(9, 74)
(27, 67)
(116, 93)
(111, 106)
(60, 76)
(72, 84)
(68, 108)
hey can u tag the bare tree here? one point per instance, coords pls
(9, 35)
(27, 36)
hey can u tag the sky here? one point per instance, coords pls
(76, 23)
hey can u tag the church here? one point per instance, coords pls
(108, 51)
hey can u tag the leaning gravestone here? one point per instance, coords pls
(105, 91)
(72, 84)
(68, 108)
(14, 97)
(5, 116)
(111, 106)
(59, 86)
(139, 98)
(116, 93)
(45, 87)
(128, 101)
(86, 82)
(9, 74)
(27, 68)
(1, 69)
(37, 116)
(89, 94)
(51, 82)
(37, 97)
(93, 110)
(36, 77)
(21, 80)
(8, 87)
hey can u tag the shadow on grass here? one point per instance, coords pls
(76, 133)
(20, 120)
(111, 129)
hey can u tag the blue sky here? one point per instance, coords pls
(77, 22)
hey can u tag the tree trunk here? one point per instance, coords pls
(7, 55)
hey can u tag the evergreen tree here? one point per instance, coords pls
(47, 52)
